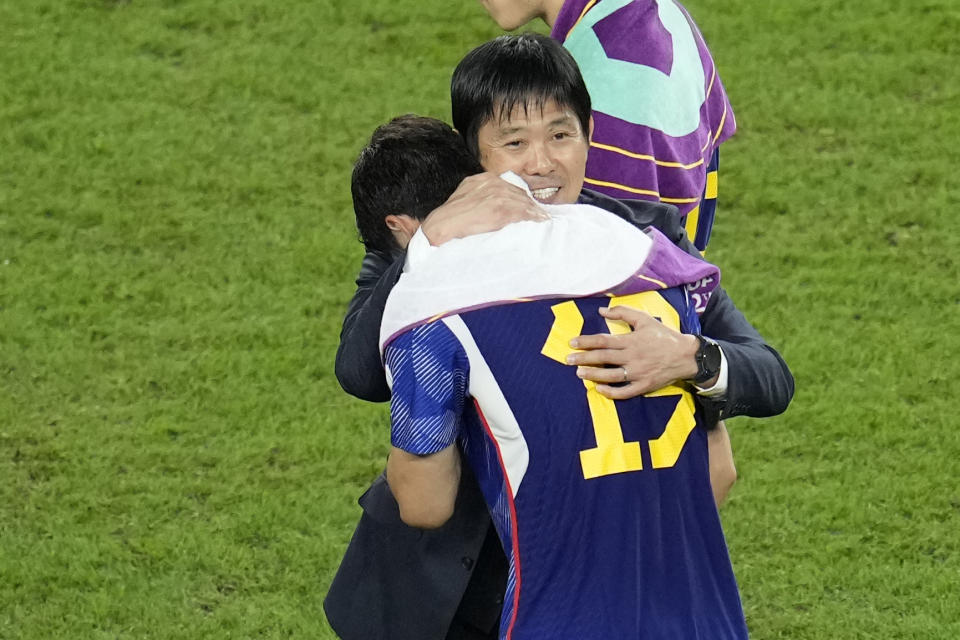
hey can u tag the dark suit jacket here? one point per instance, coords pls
(396, 582)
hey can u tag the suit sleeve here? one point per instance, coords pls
(358, 366)
(759, 383)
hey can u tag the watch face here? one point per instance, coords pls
(712, 357)
(708, 360)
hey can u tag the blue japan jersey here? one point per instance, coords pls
(604, 507)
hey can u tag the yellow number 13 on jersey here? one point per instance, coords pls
(612, 454)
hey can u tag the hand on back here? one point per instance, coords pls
(649, 357)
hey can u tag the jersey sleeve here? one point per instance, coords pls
(428, 369)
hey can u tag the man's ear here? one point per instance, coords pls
(393, 222)
(402, 223)
(402, 227)
(590, 132)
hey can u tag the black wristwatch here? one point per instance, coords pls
(708, 360)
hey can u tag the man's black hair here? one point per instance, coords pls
(525, 71)
(411, 166)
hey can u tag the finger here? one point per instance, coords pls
(521, 202)
(605, 375)
(472, 183)
(518, 212)
(526, 209)
(598, 357)
(537, 212)
(627, 314)
(483, 184)
(495, 184)
(506, 189)
(594, 341)
(512, 201)
(621, 392)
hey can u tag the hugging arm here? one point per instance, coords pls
(426, 411)
(425, 486)
(759, 383)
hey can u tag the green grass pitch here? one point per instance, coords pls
(177, 249)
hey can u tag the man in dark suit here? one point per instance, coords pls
(531, 116)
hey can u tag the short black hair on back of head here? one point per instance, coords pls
(511, 71)
(411, 166)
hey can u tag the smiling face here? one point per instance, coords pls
(546, 147)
